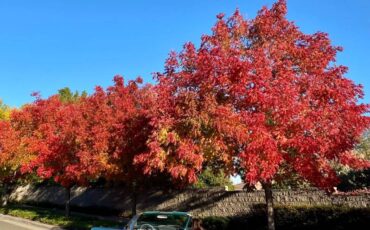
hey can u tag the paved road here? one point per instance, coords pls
(11, 226)
(10, 223)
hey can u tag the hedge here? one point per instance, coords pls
(296, 217)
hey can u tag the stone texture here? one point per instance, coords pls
(214, 202)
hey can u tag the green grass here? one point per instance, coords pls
(56, 217)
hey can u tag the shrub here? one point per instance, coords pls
(321, 217)
(216, 223)
(296, 217)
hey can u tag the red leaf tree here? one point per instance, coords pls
(13, 153)
(124, 113)
(11, 158)
(78, 141)
(55, 134)
(256, 97)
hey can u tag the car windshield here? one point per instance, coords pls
(157, 221)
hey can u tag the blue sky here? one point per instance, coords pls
(46, 45)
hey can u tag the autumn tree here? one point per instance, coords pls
(8, 163)
(123, 114)
(54, 130)
(75, 139)
(259, 98)
(4, 111)
(4, 153)
(12, 152)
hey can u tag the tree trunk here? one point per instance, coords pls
(4, 195)
(133, 199)
(269, 206)
(68, 202)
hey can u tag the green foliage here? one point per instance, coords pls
(355, 180)
(66, 95)
(363, 148)
(352, 180)
(4, 111)
(296, 217)
(216, 223)
(293, 181)
(321, 217)
(209, 178)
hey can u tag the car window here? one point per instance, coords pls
(162, 221)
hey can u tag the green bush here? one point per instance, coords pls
(354, 180)
(216, 223)
(321, 217)
(211, 179)
(296, 217)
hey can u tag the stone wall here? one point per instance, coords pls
(201, 203)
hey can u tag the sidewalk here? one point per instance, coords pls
(54, 217)
(73, 213)
(26, 224)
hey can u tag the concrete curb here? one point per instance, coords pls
(28, 223)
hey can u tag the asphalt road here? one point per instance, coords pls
(13, 224)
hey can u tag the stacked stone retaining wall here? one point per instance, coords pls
(214, 202)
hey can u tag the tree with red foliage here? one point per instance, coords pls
(9, 145)
(12, 152)
(127, 109)
(11, 158)
(53, 131)
(76, 141)
(257, 97)
(124, 113)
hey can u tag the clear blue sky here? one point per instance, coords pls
(49, 44)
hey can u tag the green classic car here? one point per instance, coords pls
(155, 220)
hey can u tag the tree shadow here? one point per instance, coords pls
(195, 201)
